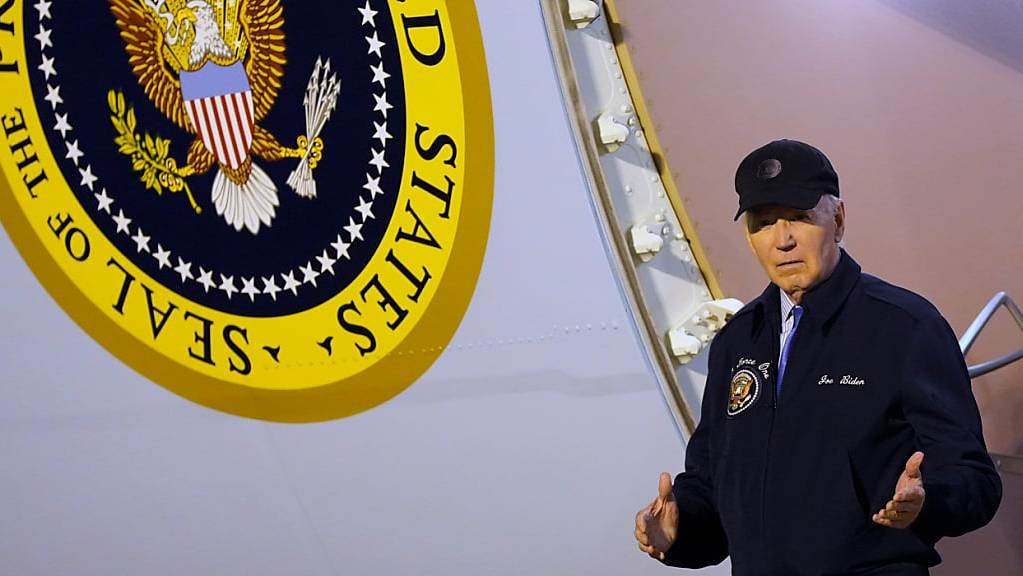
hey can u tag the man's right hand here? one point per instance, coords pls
(657, 524)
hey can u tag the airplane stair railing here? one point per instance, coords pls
(1006, 463)
(970, 336)
(993, 549)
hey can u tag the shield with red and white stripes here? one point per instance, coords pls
(218, 102)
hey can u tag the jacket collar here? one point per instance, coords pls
(819, 304)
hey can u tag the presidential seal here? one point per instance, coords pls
(744, 391)
(278, 211)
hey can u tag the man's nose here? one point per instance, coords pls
(784, 240)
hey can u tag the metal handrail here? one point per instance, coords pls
(970, 336)
(1008, 463)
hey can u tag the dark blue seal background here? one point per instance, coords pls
(90, 60)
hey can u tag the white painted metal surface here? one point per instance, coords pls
(526, 449)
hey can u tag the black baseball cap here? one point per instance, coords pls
(785, 172)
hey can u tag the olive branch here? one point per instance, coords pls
(149, 155)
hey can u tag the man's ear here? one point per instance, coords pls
(840, 222)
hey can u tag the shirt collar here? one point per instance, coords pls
(821, 303)
(786, 305)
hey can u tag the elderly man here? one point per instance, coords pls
(839, 434)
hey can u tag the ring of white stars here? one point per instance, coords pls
(290, 281)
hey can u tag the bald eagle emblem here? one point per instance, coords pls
(744, 391)
(214, 68)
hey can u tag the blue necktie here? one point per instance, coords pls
(797, 313)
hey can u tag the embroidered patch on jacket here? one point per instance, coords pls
(745, 390)
(849, 380)
(846, 380)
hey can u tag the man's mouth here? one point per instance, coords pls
(789, 264)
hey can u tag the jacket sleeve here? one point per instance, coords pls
(962, 488)
(700, 539)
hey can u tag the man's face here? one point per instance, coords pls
(797, 248)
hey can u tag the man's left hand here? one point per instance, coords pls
(908, 500)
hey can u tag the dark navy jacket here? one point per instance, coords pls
(787, 484)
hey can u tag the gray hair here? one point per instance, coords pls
(827, 207)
